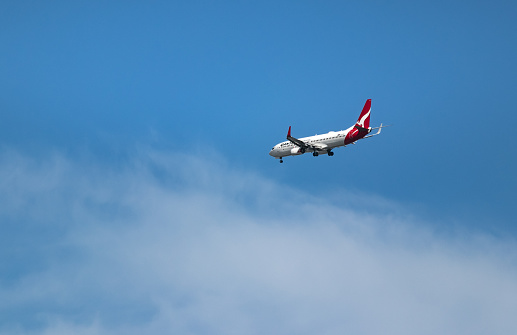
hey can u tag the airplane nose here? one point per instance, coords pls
(271, 153)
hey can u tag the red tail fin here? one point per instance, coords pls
(364, 118)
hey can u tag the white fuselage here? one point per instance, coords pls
(323, 144)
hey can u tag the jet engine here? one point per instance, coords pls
(297, 151)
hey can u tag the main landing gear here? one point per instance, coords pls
(281, 161)
(316, 154)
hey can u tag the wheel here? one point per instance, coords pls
(281, 161)
(315, 153)
(330, 153)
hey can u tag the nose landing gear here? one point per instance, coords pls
(281, 161)
(330, 153)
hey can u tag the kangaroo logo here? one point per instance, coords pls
(365, 116)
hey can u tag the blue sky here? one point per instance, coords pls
(105, 107)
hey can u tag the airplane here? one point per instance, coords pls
(326, 142)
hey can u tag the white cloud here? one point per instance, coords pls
(178, 244)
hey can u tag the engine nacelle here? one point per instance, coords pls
(297, 151)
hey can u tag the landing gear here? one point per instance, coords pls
(281, 161)
(330, 153)
(315, 154)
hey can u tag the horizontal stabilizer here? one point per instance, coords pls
(379, 131)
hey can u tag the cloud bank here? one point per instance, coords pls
(175, 244)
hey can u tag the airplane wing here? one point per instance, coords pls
(296, 141)
(304, 146)
(319, 146)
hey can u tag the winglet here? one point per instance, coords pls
(289, 132)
